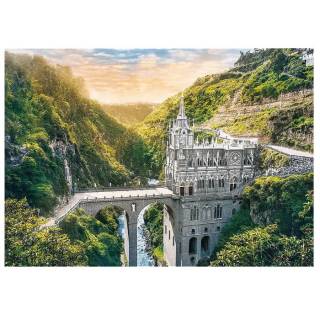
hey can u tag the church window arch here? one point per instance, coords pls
(233, 183)
(217, 212)
(194, 213)
(181, 189)
(205, 245)
(211, 183)
(221, 182)
(190, 189)
(193, 245)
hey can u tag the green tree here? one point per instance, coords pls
(26, 244)
(98, 235)
(265, 247)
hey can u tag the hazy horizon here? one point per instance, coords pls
(114, 76)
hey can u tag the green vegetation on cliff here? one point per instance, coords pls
(28, 245)
(80, 239)
(272, 159)
(273, 227)
(265, 247)
(97, 235)
(49, 119)
(153, 219)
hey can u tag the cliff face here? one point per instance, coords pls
(268, 94)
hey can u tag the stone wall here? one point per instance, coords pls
(297, 165)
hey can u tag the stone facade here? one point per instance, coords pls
(208, 177)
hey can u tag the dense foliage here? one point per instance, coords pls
(273, 227)
(265, 247)
(153, 219)
(279, 200)
(258, 75)
(28, 245)
(272, 159)
(278, 71)
(97, 235)
(49, 119)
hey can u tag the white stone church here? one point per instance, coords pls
(208, 177)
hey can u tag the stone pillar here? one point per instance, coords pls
(132, 242)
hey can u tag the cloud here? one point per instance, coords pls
(139, 75)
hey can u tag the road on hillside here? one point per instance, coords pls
(290, 151)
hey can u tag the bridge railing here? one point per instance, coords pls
(98, 199)
(119, 188)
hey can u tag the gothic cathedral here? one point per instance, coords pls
(207, 178)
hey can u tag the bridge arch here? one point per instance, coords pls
(133, 207)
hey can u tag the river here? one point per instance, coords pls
(144, 259)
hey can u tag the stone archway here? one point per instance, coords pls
(132, 206)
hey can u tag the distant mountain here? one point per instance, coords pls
(53, 131)
(129, 114)
(267, 94)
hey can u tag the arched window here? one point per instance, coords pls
(182, 190)
(193, 246)
(205, 245)
(190, 189)
(218, 212)
(221, 182)
(233, 183)
(201, 183)
(194, 214)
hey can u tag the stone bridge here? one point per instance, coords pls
(132, 201)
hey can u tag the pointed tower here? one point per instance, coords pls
(182, 120)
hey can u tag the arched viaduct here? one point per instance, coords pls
(132, 201)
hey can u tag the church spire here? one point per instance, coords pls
(181, 114)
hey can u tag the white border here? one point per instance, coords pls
(152, 293)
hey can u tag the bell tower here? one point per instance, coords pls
(180, 139)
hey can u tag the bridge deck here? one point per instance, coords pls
(105, 194)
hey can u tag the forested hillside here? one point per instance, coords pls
(267, 94)
(273, 227)
(80, 240)
(50, 120)
(128, 114)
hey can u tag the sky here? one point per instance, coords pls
(139, 75)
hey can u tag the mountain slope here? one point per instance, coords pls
(267, 94)
(50, 125)
(128, 114)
